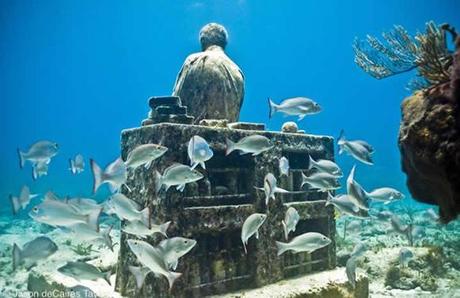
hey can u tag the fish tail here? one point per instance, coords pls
(98, 178)
(158, 181)
(139, 275)
(328, 199)
(164, 227)
(15, 204)
(339, 139)
(22, 159)
(93, 219)
(17, 258)
(304, 180)
(172, 276)
(230, 146)
(311, 162)
(107, 276)
(286, 234)
(145, 217)
(72, 166)
(273, 108)
(282, 247)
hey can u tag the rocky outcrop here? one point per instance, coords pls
(429, 140)
(210, 84)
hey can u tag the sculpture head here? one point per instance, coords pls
(213, 34)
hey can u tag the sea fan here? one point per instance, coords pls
(399, 53)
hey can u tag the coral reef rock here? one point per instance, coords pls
(289, 127)
(210, 84)
(429, 140)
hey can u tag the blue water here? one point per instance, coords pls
(78, 72)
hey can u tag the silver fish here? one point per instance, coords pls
(33, 251)
(307, 242)
(354, 226)
(179, 175)
(284, 166)
(384, 215)
(39, 152)
(297, 106)
(360, 150)
(144, 155)
(270, 188)
(140, 273)
(432, 214)
(39, 169)
(23, 200)
(254, 144)
(404, 256)
(138, 228)
(115, 174)
(321, 181)
(326, 166)
(125, 209)
(199, 152)
(397, 226)
(77, 164)
(343, 204)
(385, 194)
(59, 213)
(356, 192)
(85, 232)
(152, 258)
(350, 270)
(175, 248)
(84, 271)
(251, 227)
(291, 218)
(358, 250)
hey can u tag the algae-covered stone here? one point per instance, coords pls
(210, 84)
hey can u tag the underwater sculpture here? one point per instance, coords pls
(210, 84)
(429, 135)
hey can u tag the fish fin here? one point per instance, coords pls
(181, 187)
(286, 234)
(244, 246)
(203, 165)
(257, 234)
(145, 217)
(50, 196)
(148, 165)
(115, 188)
(163, 228)
(158, 181)
(97, 175)
(273, 108)
(282, 248)
(356, 208)
(301, 117)
(259, 188)
(172, 276)
(304, 180)
(22, 160)
(174, 264)
(255, 153)
(15, 204)
(34, 173)
(230, 146)
(193, 165)
(139, 274)
(93, 219)
(17, 258)
(107, 276)
(280, 190)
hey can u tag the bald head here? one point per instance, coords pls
(213, 34)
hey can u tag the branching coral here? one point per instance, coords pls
(399, 52)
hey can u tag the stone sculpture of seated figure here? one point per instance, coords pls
(210, 84)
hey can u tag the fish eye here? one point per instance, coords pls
(35, 209)
(186, 241)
